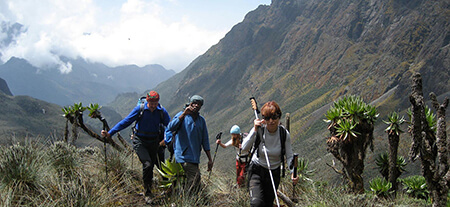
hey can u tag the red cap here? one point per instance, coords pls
(152, 96)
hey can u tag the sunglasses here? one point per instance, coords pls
(273, 117)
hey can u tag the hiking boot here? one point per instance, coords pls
(148, 199)
(148, 192)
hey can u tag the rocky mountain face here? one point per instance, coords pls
(304, 54)
(87, 82)
(4, 87)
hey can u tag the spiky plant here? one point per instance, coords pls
(394, 121)
(94, 110)
(382, 162)
(63, 158)
(304, 173)
(171, 170)
(332, 115)
(346, 130)
(401, 163)
(429, 116)
(380, 187)
(415, 186)
(351, 123)
(347, 113)
(73, 114)
(22, 169)
(394, 131)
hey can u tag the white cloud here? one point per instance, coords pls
(51, 27)
(142, 37)
(137, 32)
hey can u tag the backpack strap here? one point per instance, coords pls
(141, 112)
(283, 135)
(161, 124)
(255, 146)
(259, 134)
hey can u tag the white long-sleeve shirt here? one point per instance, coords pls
(273, 146)
(239, 153)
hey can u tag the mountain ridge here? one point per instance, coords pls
(86, 82)
(305, 54)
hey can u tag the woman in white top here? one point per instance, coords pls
(269, 134)
(241, 156)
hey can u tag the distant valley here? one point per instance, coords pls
(86, 83)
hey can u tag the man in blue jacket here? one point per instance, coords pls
(149, 131)
(191, 136)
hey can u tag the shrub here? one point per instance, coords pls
(21, 170)
(382, 162)
(171, 170)
(304, 173)
(415, 186)
(64, 158)
(19, 166)
(380, 187)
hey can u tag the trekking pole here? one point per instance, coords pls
(217, 146)
(106, 158)
(288, 122)
(255, 108)
(295, 163)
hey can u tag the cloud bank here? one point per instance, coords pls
(132, 32)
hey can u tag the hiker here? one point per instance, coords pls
(241, 156)
(190, 136)
(147, 136)
(267, 132)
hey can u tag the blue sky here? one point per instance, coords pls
(118, 32)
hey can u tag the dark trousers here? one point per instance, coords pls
(260, 185)
(160, 156)
(146, 149)
(193, 177)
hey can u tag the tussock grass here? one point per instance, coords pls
(59, 174)
(35, 173)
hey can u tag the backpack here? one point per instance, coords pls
(283, 135)
(243, 158)
(141, 103)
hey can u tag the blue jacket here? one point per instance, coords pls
(190, 138)
(148, 123)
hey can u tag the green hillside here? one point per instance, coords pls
(24, 116)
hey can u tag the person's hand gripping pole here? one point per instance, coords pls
(254, 106)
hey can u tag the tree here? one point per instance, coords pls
(394, 131)
(430, 142)
(74, 115)
(351, 124)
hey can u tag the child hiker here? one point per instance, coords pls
(241, 156)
